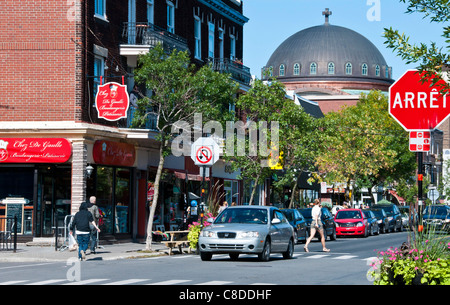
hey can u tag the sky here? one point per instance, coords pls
(273, 21)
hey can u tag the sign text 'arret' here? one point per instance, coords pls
(417, 105)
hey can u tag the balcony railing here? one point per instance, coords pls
(238, 71)
(143, 33)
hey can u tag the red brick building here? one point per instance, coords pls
(54, 55)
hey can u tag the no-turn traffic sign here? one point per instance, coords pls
(205, 152)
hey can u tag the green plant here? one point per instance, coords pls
(194, 233)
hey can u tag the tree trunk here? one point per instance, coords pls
(250, 202)
(149, 239)
(294, 189)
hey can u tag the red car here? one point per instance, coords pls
(351, 222)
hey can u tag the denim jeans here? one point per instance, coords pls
(93, 242)
(83, 242)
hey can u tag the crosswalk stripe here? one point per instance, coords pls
(47, 282)
(126, 282)
(318, 256)
(214, 283)
(13, 282)
(344, 257)
(170, 282)
(85, 282)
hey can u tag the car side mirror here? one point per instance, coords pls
(276, 221)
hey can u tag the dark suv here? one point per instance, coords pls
(393, 214)
(327, 218)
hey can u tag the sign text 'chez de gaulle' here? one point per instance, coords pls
(35, 150)
(112, 101)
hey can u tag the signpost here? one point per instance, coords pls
(418, 107)
(204, 153)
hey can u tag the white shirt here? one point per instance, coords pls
(316, 212)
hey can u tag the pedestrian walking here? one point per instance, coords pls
(96, 214)
(81, 224)
(316, 225)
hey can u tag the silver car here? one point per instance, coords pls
(257, 230)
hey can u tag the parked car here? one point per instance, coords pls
(404, 210)
(329, 225)
(298, 222)
(394, 216)
(383, 220)
(374, 228)
(351, 222)
(437, 217)
(260, 230)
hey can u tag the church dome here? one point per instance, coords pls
(329, 53)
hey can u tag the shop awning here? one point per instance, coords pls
(399, 199)
(191, 177)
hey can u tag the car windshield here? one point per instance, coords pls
(289, 214)
(344, 214)
(389, 210)
(243, 215)
(378, 213)
(436, 210)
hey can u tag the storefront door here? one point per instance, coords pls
(53, 198)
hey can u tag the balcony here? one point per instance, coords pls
(238, 71)
(139, 37)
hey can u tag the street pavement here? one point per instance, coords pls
(45, 252)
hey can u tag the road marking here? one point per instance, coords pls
(318, 256)
(25, 266)
(127, 282)
(214, 283)
(345, 257)
(13, 282)
(170, 282)
(47, 282)
(85, 282)
(262, 284)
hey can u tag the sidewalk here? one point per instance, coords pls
(46, 253)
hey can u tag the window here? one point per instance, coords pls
(198, 38)
(296, 69)
(221, 45)
(270, 71)
(170, 17)
(377, 70)
(331, 68)
(364, 69)
(211, 30)
(313, 68)
(100, 8)
(281, 70)
(150, 11)
(231, 191)
(348, 69)
(232, 47)
(99, 70)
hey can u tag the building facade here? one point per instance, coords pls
(55, 150)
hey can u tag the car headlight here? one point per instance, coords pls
(206, 233)
(250, 234)
(390, 218)
(380, 221)
(359, 224)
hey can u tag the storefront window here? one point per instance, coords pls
(113, 198)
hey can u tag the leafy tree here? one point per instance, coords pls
(364, 143)
(179, 91)
(433, 60)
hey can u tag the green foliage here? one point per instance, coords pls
(431, 59)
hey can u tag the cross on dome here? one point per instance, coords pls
(327, 13)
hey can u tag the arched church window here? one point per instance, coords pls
(348, 69)
(377, 70)
(331, 68)
(296, 69)
(365, 69)
(313, 68)
(282, 68)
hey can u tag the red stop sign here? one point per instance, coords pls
(416, 105)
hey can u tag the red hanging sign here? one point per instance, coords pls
(114, 153)
(34, 150)
(112, 101)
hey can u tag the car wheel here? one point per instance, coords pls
(234, 256)
(290, 250)
(205, 256)
(295, 236)
(401, 228)
(265, 254)
(306, 236)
